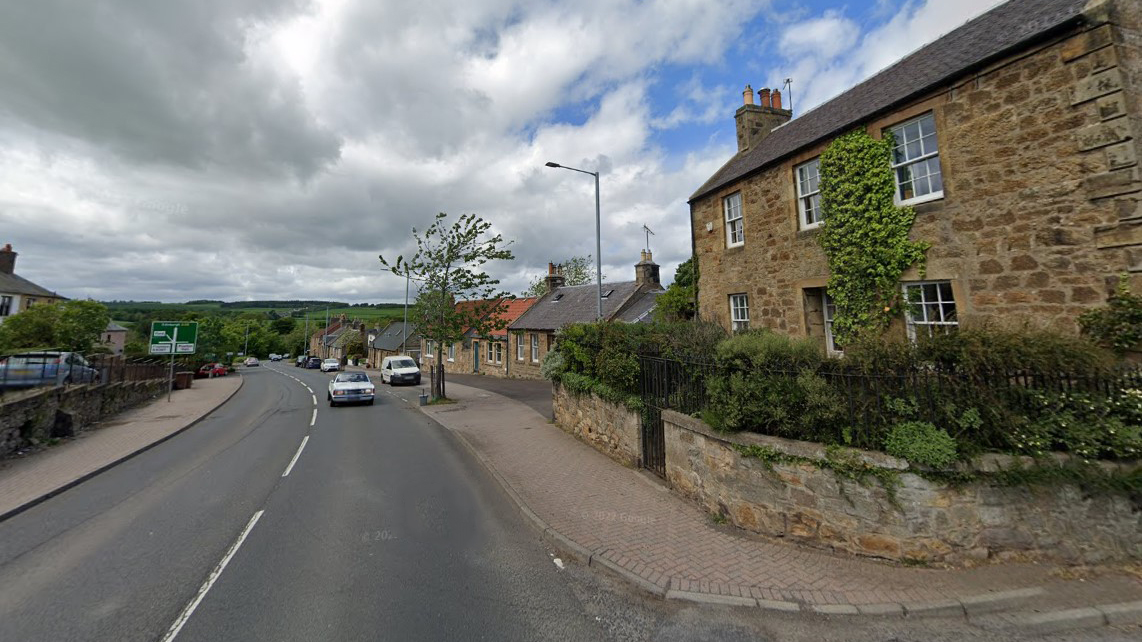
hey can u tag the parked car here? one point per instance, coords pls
(400, 369)
(300, 362)
(348, 387)
(275, 357)
(48, 368)
(330, 365)
(252, 362)
(313, 362)
(211, 370)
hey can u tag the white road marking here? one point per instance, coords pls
(314, 399)
(295, 456)
(308, 388)
(558, 563)
(314, 419)
(214, 575)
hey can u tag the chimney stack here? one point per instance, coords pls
(646, 271)
(554, 277)
(7, 259)
(754, 122)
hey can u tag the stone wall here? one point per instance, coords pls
(60, 412)
(526, 368)
(921, 520)
(1042, 204)
(610, 428)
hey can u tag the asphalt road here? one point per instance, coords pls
(384, 529)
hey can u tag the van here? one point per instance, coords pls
(400, 369)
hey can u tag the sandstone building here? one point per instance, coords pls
(1016, 144)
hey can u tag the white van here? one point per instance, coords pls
(400, 369)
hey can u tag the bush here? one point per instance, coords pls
(766, 349)
(554, 365)
(921, 443)
(1118, 326)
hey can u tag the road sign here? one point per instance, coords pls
(174, 337)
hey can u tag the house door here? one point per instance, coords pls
(475, 356)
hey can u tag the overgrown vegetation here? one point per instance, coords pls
(1118, 325)
(864, 235)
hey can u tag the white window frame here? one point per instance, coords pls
(499, 350)
(732, 213)
(5, 305)
(452, 352)
(828, 309)
(922, 304)
(805, 195)
(925, 155)
(430, 349)
(739, 322)
(519, 347)
(535, 348)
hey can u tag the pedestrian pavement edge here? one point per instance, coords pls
(72, 484)
(973, 608)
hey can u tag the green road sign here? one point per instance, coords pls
(174, 337)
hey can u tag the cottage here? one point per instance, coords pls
(534, 333)
(1016, 143)
(17, 293)
(483, 354)
(396, 338)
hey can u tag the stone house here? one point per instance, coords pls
(114, 338)
(17, 293)
(487, 354)
(394, 339)
(534, 333)
(1016, 145)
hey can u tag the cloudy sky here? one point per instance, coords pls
(252, 149)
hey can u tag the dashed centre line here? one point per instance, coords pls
(295, 456)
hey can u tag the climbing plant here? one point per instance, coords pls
(865, 235)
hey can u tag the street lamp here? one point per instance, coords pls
(598, 233)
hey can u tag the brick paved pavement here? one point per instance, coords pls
(622, 517)
(27, 480)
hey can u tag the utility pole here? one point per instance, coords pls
(246, 346)
(325, 336)
(404, 330)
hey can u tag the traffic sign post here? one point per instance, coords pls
(173, 337)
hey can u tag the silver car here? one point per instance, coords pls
(49, 368)
(350, 387)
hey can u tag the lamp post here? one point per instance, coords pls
(598, 234)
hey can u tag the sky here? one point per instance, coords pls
(272, 149)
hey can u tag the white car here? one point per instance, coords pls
(348, 387)
(251, 362)
(330, 365)
(396, 370)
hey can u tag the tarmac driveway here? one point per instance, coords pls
(536, 394)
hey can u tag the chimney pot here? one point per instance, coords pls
(776, 99)
(747, 95)
(764, 94)
(550, 267)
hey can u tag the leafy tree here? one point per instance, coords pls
(448, 265)
(577, 270)
(678, 302)
(67, 325)
(283, 325)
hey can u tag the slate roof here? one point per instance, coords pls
(114, 327)
(576, 304)
(392, 336)
(992, 35)
(640, 308)
(15, 284)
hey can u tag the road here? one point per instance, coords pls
(384, 528)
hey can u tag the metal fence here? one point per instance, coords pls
(31, 370)
(871, 403)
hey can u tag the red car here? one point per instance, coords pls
(211, 369)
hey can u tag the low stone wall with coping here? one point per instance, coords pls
(895, 514)
(32, 418)
(610, 428)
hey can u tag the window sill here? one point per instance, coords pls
(807, 232)
(735, 245)
(934, 196)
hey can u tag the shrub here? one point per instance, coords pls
(1118, 325)
(554, 365)
(766, 349)
(921, 443)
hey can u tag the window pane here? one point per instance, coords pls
(932, 312)
(946, 291)
(949, 312)
(929, 292)
(913, 149)
(911, 131)
(927, 124)
(937, 180)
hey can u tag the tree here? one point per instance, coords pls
(448, 265)
(577, 270)
(283, 325)
(66, 325)
(678, 302)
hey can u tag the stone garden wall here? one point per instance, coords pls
(917, 520)
(28, 419)
(610, 428)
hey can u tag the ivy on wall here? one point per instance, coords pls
(864, 235)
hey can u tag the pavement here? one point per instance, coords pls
(627, 522)
(25, 482)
